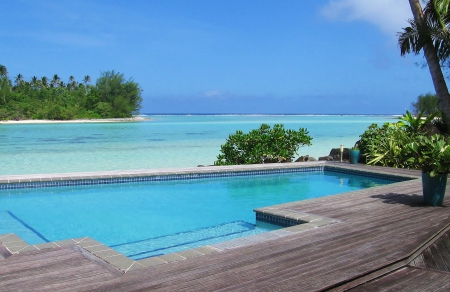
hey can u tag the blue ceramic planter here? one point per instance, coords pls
(434, 188)
(354, 156)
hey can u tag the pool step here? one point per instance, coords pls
(157, 246)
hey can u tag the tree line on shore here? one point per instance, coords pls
(112, 96)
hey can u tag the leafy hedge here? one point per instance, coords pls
(263, 145)
(390, 144)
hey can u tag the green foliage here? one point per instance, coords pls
(104, 109)
(414, 124)
(44, 98)
(263, 145)
(123, 96)
(387, 145)
(427, 104)
(390, 150)
(431, 154)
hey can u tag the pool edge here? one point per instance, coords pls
(124, 264)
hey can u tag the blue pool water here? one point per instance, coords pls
(151, 218)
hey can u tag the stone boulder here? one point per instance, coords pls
(336, 154)
(277, 160)
(326, 158)
(305, 158)
(430, 129)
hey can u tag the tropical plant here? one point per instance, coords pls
(44, 81)
(87, 79)
(55, 80)
(34, 81)
(428, 33)
(426, 103)
(263, 145)
(3, 71)
(5, 88)
(123, 95)
(19, 79)
(431, 154)
(414, 124)
(38, 100)
(388, 147)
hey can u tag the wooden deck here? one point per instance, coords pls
(380, 237)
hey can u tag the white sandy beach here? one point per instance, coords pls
(133, 119)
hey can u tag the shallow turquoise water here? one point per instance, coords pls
(165, 141)
(162, 217)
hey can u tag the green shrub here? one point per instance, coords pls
(431, 154)
(263, 145)
(104, 109)
(388, 145)
(427, 104)
(390, 149)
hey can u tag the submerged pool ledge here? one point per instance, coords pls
(112, 259)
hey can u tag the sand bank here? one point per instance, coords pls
(134, 119)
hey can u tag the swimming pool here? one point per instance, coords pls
(166, 214)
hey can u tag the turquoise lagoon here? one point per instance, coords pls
(165, 141)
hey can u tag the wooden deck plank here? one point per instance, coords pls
(50, 270)
(418, 262)
(408, 279)
(444, 253)
(388, 282)
(440, 262)
(429, 260)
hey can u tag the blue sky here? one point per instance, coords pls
(224, 56)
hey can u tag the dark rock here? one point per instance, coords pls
(326, 158)
(430, 130)
(305, 158)
(336, 154)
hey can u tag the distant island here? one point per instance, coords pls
(112, 97)
(111, 120)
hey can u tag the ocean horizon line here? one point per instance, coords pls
(262, 114)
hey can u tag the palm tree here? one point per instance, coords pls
(72, 83)
(423, 35)
(5, 87)
(44, 81)
(3, 71)
(87, 79)
(19, 79)
(34, 81)
(55, 80)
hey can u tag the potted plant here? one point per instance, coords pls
(354, 154)
(432, 156)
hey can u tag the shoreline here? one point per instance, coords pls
(112, 120)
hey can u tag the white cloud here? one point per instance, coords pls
(389, 15)
(213, 93)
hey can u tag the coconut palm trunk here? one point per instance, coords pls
(433, 63)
